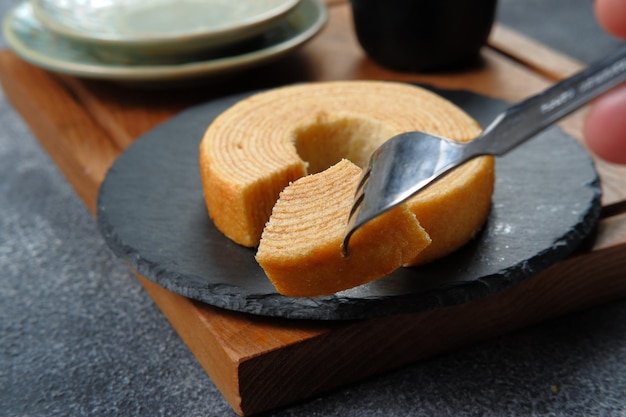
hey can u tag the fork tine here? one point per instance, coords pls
(356, 206)
(364, 177)
(359, 193)
(359, 196)
(351, 229)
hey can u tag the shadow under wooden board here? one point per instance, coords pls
(151, 212)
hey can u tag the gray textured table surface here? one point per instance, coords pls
(79, 336)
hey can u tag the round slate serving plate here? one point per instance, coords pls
(151, 213)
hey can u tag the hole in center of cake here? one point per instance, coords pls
(330, 138)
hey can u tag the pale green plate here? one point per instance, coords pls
(159, 30)
(29, 39)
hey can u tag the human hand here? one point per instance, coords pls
(605, 125)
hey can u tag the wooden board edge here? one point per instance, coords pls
(612, 229)
(552, 64)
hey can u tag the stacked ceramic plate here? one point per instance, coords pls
(158, 40)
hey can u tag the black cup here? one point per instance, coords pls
(423, 35)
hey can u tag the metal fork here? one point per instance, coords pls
(409, 162)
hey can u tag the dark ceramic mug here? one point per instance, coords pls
(423, 35)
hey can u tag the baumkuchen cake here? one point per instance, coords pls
(260, 145)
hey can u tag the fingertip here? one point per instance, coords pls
(605, 127)
(611, 15)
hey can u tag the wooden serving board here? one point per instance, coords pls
(261, 363)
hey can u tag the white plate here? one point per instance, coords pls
(152, 28)
(29, 39)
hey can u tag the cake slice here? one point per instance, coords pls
(300, 248)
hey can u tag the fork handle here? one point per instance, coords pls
(523, 120)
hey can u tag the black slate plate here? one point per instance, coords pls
(151, 213)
